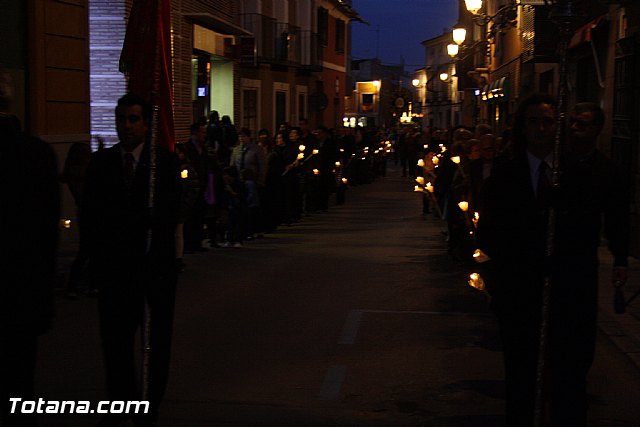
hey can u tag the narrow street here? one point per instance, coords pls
(355, 317)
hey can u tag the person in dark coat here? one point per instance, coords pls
(196, 150)
(512, 232)
(29, 222)
(129, 266)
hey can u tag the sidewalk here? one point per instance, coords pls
(622, 329)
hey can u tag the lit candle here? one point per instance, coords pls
(480, 257)
(316, 172)
(67, 223)
(429, 187)
(345, 180)
(316, 151)
(463, 206)
(420, 180)
(435, 160)
(475, 281)
(417, 189)
(301, 147)
(300, 156)
(421, 163)
(456, 160)
(338, 164)
(184, 174)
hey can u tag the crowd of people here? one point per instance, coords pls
(237, 187)
(500, 196)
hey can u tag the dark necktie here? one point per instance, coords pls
(543, 194)
(129, 170)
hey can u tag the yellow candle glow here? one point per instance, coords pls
(475, 281)
(345, 180)
(184, 174)
(302, 147)
(420, 180)
(456, 160)
(480, 257)
(316, 172)
(316, 151)
(435, 160)
(300, 156)
(464, 206)
(429, 187)
(67, 223)
(421, 163)
(338, 164)
(417, 189)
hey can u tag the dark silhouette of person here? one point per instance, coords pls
(73, 174)
(29, 222)
(512, 232)
(132, 251)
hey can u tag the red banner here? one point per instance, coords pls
(146, 59)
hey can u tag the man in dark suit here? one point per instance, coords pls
(131, 250)
(512, 232)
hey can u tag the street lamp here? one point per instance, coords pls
(459, 35)
(452, 49)
(504, 16)
(444, 76)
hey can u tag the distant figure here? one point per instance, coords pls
(73, 174)
(29, 222)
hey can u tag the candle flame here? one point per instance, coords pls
(316, 151)
(456, 160)
(421, 163)
(338, 164)
(301, 147)
(420, 180)
(475, 281)
(345, 180)
(184, 174)
(316, 172)
(66, 223)
(417, 189)
(300, 156)
(480, 257)
(435, 160)
(464, 206)
(429, 187)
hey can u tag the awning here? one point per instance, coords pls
(216, 24)
(497, 91)
(583, 34)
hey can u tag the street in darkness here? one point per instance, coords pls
(355, 317)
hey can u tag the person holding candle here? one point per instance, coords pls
(512, 233)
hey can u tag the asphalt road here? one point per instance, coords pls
(356, 317)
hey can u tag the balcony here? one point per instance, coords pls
(310, 50)
(264, 30)
(281, 43)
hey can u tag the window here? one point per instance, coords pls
(281, 108)
(323, 25)
(340, 30)
(250, 108)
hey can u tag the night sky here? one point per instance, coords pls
(403, 24)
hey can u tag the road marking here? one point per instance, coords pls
(332, 382)
(351, 326)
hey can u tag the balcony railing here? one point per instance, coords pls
(282, 43)
(264, 30)
(311, 50)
